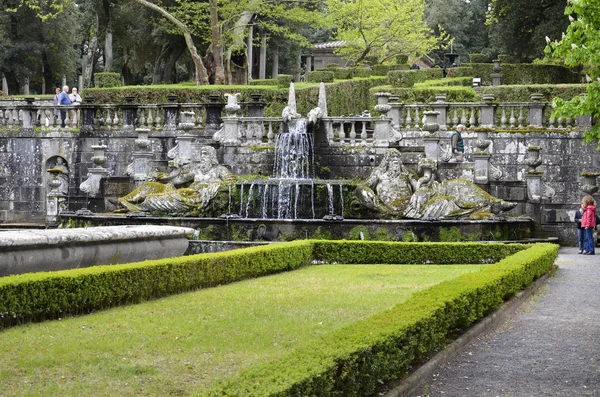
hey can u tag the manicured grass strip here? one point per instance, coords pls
(355, 360)
(42, 296)
(184, 344)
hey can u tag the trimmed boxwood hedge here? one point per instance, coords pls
(320, 76)
(107, 80)
(407, 78)
(357, 359)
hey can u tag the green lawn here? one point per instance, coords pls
(185, 343)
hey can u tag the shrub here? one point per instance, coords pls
(342, 73)
(361, 72)
(407, 78)
(107, 80)
(526, 73)
(382, 70)
(476, 58)
(284, 80)
(318, 77)
(263, 82)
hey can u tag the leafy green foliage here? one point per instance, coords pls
(107, 80)
(379, 30)
(580, 46)
(319, 76)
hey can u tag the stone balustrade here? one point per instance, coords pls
(354, 130)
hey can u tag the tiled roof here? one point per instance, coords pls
(330, 44)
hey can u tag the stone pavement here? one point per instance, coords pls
(549, 347)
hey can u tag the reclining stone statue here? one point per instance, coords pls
(188, 188)
(395, 190)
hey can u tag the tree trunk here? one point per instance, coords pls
(201, 76)
(88, 59)
(215, 45)
(238, 40)
(125, 69)
(167, 72)
(108, 36)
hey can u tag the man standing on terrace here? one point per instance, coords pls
(458, 147)
(63, 100)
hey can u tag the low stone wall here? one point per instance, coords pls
(25, 251)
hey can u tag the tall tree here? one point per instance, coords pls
(580, 46)
(201, 75)
(381, 29)
(518, 27)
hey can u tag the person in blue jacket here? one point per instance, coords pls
(63, 100)
(580, 230)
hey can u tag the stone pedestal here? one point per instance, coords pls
(55, 203)
(382, 134)
(395, 111)
(213, 112)
(91, 186)
(256, 108)
(534, 186)
(431, 144)
(28, 114)
(482, 169)
(441, 107)
(496, 78)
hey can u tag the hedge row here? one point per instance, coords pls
(382, 70)
(263, 82)
(381, 252)
(526, 73)
(408, 78)
(357, 359)
(43, 296)
(319, 76)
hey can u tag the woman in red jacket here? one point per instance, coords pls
(588, 223)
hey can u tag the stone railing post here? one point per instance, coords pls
(129, 114)
(488, 112)
(382, 133)
(214, 108)
(395, 112)
(256, 108)
(536, 110)
(88, 114)
(28, 114)
(441, 107)
(171, 113)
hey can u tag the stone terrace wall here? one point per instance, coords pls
(24, 157)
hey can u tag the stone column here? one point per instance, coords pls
(297, 72)
(309, 63)
(249, 51)
(441, 107)
(382, 133)
(262, 68)
(213, 112)
(64, 81)
(80, 83)
(536, 110)
(26, 86)
(275, 67)
(171, 113)
(129, 114)
(488, 112)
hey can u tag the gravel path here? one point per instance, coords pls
(549, 347)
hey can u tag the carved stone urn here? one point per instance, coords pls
(589, 182)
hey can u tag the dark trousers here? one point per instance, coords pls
(63, 117)
(581, 239)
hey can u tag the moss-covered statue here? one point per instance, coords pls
(390, 185)
(186, 190)
(394, 189)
